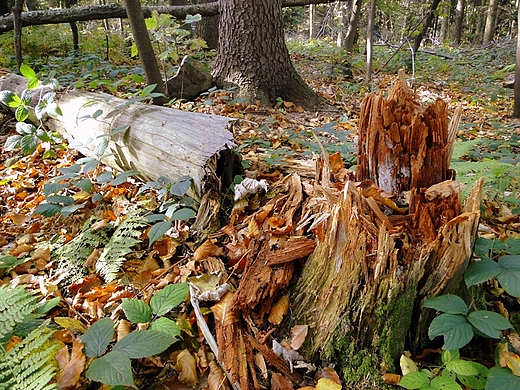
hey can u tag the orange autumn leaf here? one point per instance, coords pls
(21, 249)
(279, 310)
(513, 362)
(336, 162)
(222, 310)
(280, 382)
(298, 335)
(328, 373)
(392, 379)
(71, 366)
(207, 249)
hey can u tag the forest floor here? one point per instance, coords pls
(274, 142)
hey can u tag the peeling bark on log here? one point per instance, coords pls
(159, 141)
(361, 291)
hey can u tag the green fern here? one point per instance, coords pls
(16, 306)
(72, 255)
(120, 244)
(30, 364)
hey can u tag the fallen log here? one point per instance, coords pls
(156, 141)
(362, 289)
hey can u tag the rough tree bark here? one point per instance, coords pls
(252, 54)
(362, 289)
(145, 49)
(207, 28)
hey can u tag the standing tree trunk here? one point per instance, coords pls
(362, 289)
(207, 28)
(252, 54)
(342, 10)
(516, 109)
(17, 26)
(445, 25)
(370, 38)
(426, 25)
(489, 30)
(352, 25)
(312, 21)
(144, 47)
(459, 19)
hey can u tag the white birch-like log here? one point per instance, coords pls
(158, 141)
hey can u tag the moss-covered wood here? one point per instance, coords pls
(361, 291)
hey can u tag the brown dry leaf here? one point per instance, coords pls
(21, 249)
(19, 219)
(42, 253)
(336, 162)
(392, 379)
(279, 310)
(328, 373)
(216, 377)
(280, 382)
(264, 211)
(298, 335)
(207, 249)
(253, 229)
(222, 310)
(261, 365)
(124, 328)
(70, 368)
(187, 368)
(513, 362)
(63, 335)
(327, 384)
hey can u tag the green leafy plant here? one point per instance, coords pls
(458, 325)
(29, 364)
(114, 367)
(29, 136)
(453, 372)
(178, 204)
(171, 296)
(85, 175)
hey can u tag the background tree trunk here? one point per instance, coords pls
(516, 109)
(144, 47)
(445, 25)
(426, 25)
(352, 25)
(491, 16)
(312, 21)
(252, 54)
(459, 20)
(207, 28)
(370, 38)
(17, 10)
(362, 289)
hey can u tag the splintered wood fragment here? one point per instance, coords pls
(279, 363)
(296, 248)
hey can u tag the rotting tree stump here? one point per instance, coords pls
(361, 291)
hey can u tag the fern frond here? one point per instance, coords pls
(120, 244)
(16, 304)
(73, 254)
(30, 364)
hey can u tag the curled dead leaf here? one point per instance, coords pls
(71, 366)
(186, 367)
(280, 382)
(216, 377)
(279, 310)
(327, 373)
(392, 379)
(124, 328)
(298, 335)
(207, 249)
(222, 310)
